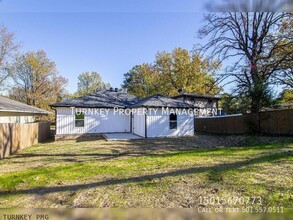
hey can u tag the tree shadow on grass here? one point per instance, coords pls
(194, 170)
(158, 148)
(139, 152)
(89, 137)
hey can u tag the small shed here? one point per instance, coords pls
(198, 100)
(16, 112)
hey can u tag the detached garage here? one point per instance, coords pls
(114, 111)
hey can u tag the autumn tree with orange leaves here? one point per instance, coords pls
(37, 81)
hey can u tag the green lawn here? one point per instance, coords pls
(150, 173)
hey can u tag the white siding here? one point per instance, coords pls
(158, 125)
(138, 122)
(17, 119)
(112, 122)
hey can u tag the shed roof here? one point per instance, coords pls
(161, 101)
(9, 105)
(101, 99)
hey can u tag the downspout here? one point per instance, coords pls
(130, 122)
(55, 121)
(145, 125)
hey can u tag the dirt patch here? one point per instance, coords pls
(169, 172)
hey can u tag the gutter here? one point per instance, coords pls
(31, 112)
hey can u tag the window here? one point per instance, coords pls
(173, 121)
(79, 119)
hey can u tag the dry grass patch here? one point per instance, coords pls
(148, 173)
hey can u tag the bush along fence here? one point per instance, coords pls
(14, 137)
(278, 122)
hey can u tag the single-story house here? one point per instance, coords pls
(199, 101)
(111, 111)
(16, 112)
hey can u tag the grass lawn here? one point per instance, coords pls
(175, 172)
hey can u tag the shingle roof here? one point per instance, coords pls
(101, 99)
(196, 96)
(161, 101)
(8, 105)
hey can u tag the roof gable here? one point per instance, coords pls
(161, 101)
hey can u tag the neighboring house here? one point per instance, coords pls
(16, 112)
(100, 115)
(199, 101)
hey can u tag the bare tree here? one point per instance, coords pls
(261, 53)
(250, 5)
(8, 48)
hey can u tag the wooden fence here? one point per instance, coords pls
(14, 137)
(279, 122)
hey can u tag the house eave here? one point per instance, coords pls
(65, 106)
(26, 112)
(190, 107)
(196, 96)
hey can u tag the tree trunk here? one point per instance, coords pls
(255, 104)
(255, 91)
